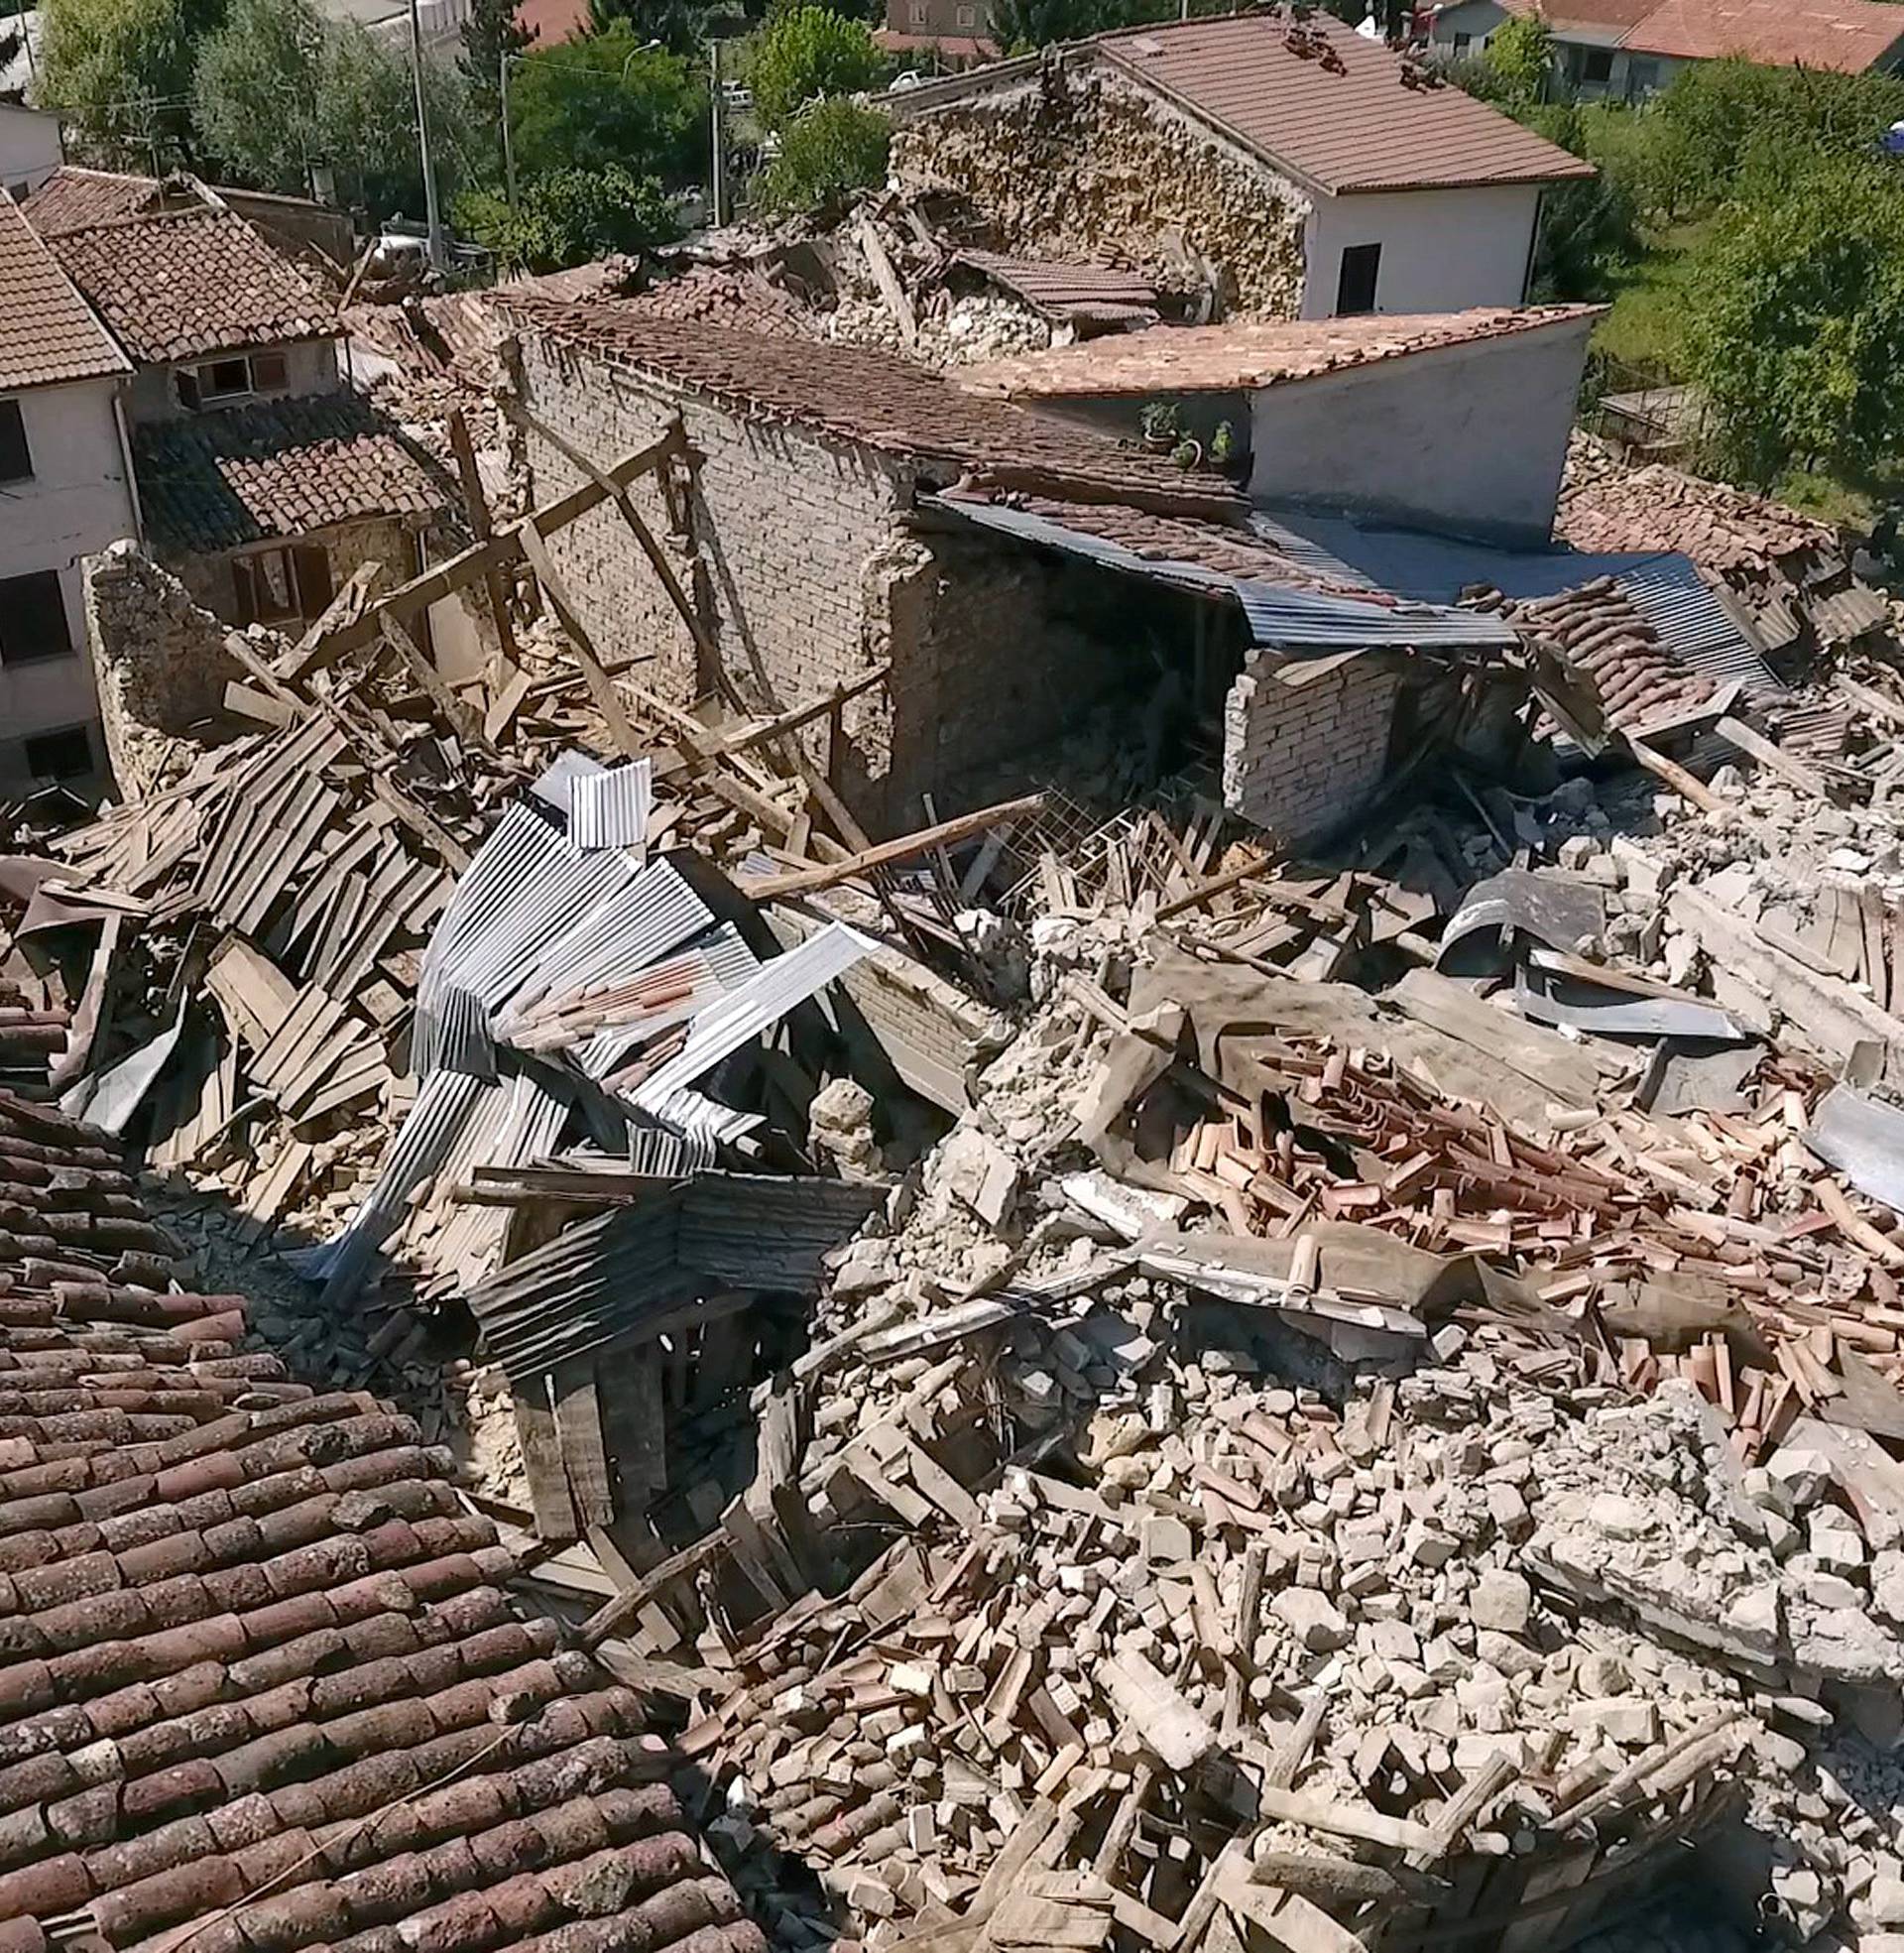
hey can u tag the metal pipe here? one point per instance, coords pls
(432, 214)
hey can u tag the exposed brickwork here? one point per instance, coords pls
(1098, 169)
(1297, 759)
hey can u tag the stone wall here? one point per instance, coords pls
(786, 555)
(1299, 759)
(159, 664)
(1088, 167)
(388, 542)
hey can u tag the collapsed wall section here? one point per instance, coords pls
(1089, 167)
(1298, 757)
(160, 666)
(770, 544)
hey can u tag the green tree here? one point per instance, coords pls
(827, 151)
(491, 36)
(608, 101)
(1589, 226)
(678, 25)
(805, 54)
(1795, 331)
(569, 216)
(367, 123)
(120, 73)
(1521, 52)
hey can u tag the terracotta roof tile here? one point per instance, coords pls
(1605, 636)
(72, 199)
(251, 1616)
(1248, 354)
(724, 296)
(1350, 122)
(191, 283)
(873, 399)
(47, 334)
(217, 481)
(1849, 34)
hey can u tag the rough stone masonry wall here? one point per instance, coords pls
(159, 664)
(789, 526)
(1091, 168)
(1299, 759)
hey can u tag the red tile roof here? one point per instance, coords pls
(72, 199)
(192, 283)
(872, 399)
(1249, 354)
(1605, 636)
(1606, 508)
(1604, 20)
(1346, 120)
(954, 47)
(551, 22)
(260, 1681)
(1849, 34)
(252, 474)
(47, 334)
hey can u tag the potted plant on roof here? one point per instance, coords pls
(1160, 425)
(1227, 456)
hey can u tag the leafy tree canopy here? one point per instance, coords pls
(491, 35)
(570, 216)
(120, 72)
(608, 101)
(827, 151)
(1795, 331)
(806, 53)
(1520, 50)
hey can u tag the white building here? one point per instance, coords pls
(1454, 424)
(65, 492)
(1319, 171)
(30, 148)
(1628, 49)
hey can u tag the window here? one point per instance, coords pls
(273, 586)
(20, 192)
(268, 373)
(1356, 286)
(220, 381)
(916, 13)
(63, 755)
(967, 17)
(224, 379)
(1462, 41)
(1597, 66)
(16, 458)
(1642, 77)
(33, 619)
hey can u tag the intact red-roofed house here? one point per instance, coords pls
(1317, 172)
(1629, 48)
(65, 492)
(263, 481)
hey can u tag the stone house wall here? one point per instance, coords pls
(1086, 166)
(1299, 759)
(388, 543)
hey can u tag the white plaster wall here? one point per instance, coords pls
(29, 147)
(1471, 438)
(77, 502)
(310, 367)
(1476, 18)
(1442, 250)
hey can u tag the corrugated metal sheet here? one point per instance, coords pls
(610, 809)
(1283, 618)
(556, 786)
(463, 1042)
(1693, 624)
(612, 1277)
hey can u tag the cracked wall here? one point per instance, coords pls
(1088, 167)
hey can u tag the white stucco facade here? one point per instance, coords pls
(1442, 250)
(77, 500)
(310, 367)
(30, 148)
(1468, 438)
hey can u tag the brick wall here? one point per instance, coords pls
(1299, 759)
(790, 527)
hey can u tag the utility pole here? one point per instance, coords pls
(432, 214)
(717, 170)
(508, 147)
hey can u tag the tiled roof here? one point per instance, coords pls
(193, 283)
(872, 399)
(47, 334)
(1249, 354)
(726, 296)
(1347, 120)
(954, 47)
(260, 1684)
(1606, 508)
(1850, 35)
(217, 481)
(72, 199)
(1604, 635)
(1598, 20)
(1069, 290)
(551, 22)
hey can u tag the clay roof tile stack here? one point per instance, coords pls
(187, 283)
(259, 1679)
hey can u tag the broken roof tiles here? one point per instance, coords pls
(1250, 354)
(260, 1685)
(185, 284)
(286, 468)
(1083, 292)
(47, 334)
(1607, 635)
(871, 399)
